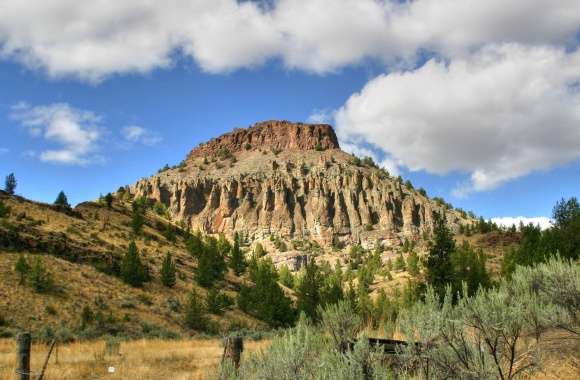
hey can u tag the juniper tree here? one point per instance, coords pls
(138, 218)
(133, 272)
(259, 250)
(308, 291)
(39, 278)
(10, 184)
(439, 266)
(109, 200)
(195, 313)
(194, 244)
(237, 260)
(265, 299)
(286, 277)
(413, 263)
(62, 201)
(210, 264)
(22, 268)
(168, 272)
(217, 301)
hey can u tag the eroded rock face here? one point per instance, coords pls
(282, 135)
(292, 181)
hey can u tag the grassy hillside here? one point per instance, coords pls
(80, 249)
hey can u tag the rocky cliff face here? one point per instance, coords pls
(290, 181)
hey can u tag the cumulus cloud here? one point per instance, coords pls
(73, 131)
(320, 116)
(92, 40)
(508, 221)
(497, 114)
(136, 134)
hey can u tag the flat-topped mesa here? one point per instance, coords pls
(273, 134)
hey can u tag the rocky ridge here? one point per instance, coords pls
(291, 181)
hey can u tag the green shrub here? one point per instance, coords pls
(217, 302)
(4, 210)
(133, 271)
(195, 313)
(39, 278)
(496, 332)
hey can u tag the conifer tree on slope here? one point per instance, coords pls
(237, 261)
(10, 184)
(62, 200)
(439, 265)
(133, 272)
(168, 272)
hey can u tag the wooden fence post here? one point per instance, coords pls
(233, 348)
(41, 376)
(23, 342)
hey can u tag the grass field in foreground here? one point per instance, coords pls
(193, 360)
(140, 359)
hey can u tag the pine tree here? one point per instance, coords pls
(286, 277)
(413, 263)
(62, 201)
(194, 245)
(237, 261)
(308, 291)
(22, 268)
(39, 278)
(138, 218)
(210, 264)
(439, 266)
(10, 184)
(259, 251)
(332, 292)
(223, 245)
(133, 272)
(217, 301)
(109, 200)
(195, 314)
(265, 299)
(168, 272)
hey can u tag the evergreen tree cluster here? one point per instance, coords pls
(449, 265)
(211, 254)
(35, 275)
(536, 246)
(133, 271)
(10, 184)
(139, 208)
(62, 201)
(265, 299)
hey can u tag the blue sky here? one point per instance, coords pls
(489, 121)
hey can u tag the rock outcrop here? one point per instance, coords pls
(291, 181)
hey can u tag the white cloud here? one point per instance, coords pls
(92, 40)
(497, 114)
(320, 116)
(74, 131)
(508, 221)
(136, 134)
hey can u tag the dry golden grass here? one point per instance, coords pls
(79, 285)
(141, 359)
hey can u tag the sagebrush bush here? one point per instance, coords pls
(495, 333)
